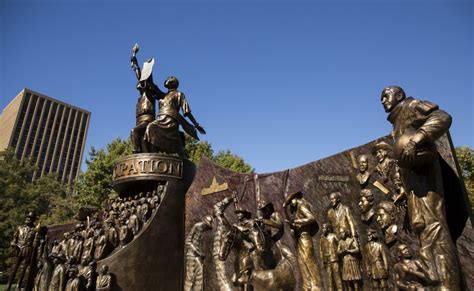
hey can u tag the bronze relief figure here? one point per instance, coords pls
(304, 227)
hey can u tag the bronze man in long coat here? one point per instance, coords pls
(416, 127)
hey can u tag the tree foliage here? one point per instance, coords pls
(232, 162)
(45, 196)
(196, 149)
(465, 157)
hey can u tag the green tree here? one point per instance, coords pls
(232, 162)
(94, 185)
(196, 149)
(45, 196)
(465, 157)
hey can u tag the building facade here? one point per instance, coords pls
(51, 133)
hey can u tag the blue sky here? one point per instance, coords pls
(280, 83)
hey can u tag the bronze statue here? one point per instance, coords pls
(112, 234)
(328, 251)
(410, 274)
(58, 280)
(271, 221)
(23, 246)
(74, 282)
(88, 248)
(104, 280)
(277, 261)
(385, 163)
(145, 109)
(195, 255)
(386, 220)
(248, 241)
(376, 263)
(222, 227)
(134, 223)
(304, 226)
(416, 127)
(363, 176)
(163, 133)
(100, 245)
(366, 204)
(45, 271)
(88, 275)
(339, 215)
(349, 253)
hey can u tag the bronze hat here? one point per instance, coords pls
(290, 197)
(381, 145)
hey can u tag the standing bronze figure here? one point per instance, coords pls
(376, 263)
(23, 246)
(145, 108)
(416, 127)
(328, 251)
(304, 226)
(349, 253)
(339, 215)
(194, 280)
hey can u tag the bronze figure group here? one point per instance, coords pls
(160, 133)
(70, 263)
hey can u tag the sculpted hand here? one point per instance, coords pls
(409, 151)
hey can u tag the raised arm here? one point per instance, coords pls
(134, 64)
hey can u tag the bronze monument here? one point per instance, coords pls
(393, 219)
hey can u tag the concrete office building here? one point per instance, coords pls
(49, 132)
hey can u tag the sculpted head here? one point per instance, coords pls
(371, 234)
(30, 219)
(391, 96)
(403, 251)
(335, 198)
(326, 228)
(363, 163)
(172, 83)
(381, 150)
(343, 233)
(207, 220)
(385, 214)
(366, 200)
(104, 269)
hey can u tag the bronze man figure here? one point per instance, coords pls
(22, 245)
(339, 215)
(416, 127)
(195, 255)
